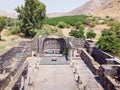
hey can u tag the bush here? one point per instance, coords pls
(92, 24)
(62, 24)
(109, 41)
(91, 34)
(48, 30)
(79, 25)
(77, 34)
(14, 30)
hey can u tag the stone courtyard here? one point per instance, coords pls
(59, 77)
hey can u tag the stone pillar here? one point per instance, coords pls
(4, 71)
(70, 54)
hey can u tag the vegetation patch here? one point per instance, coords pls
(110, 39)
(48, 30)
(71, 20)
(6, 45)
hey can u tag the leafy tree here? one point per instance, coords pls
(32, 15)
(77, 34)
(116, 28)
(91, 34)
(109, 42)
(2, 24)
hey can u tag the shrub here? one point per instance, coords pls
(77, 34)
(92, 24)
(91, 34)
(48, 30)
(79, 25)
(14, 30)
(62, 24)
(107, 16)
(109, 41)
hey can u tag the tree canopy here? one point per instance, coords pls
(109, 41)
(77, 34)
(2, 24)
(32, 15)
(91, 34)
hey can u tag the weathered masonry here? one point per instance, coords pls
(13, 64)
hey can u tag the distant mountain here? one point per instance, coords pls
(6, 14)
(112, 9)
(88, 7)
(100, 8)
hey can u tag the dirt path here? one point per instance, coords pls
(66, 31)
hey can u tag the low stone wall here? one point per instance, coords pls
(78, 43)
(94, 66)
(89, 46)
(106, 83)
(21, 52)
(6, 57)
(26, 52)
(97, 70)
(100, 56)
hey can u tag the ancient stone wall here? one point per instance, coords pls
(47, 43)
(20, 52)
(100, 56)
(106, 83)
(78, 43)
(6, 57)
(94, 66)
(89, 46)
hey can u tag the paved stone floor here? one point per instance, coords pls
(59, 77)
(55, 77)
(50, 61)
(50, 77)
(86, 76)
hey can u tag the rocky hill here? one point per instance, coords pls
(100, 8)
(112, 9)
(89, 6)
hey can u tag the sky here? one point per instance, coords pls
(52, 6)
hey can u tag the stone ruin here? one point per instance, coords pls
(104, 66)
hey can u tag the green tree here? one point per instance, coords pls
(32, 15)
(116, 28)
(91, 34)
(107, 32)
(109, 42)
(77, 33)
(2, 24)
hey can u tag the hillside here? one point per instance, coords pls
(89, 6)
(112, 9)
(100, 8)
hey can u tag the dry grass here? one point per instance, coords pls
(7, 41)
